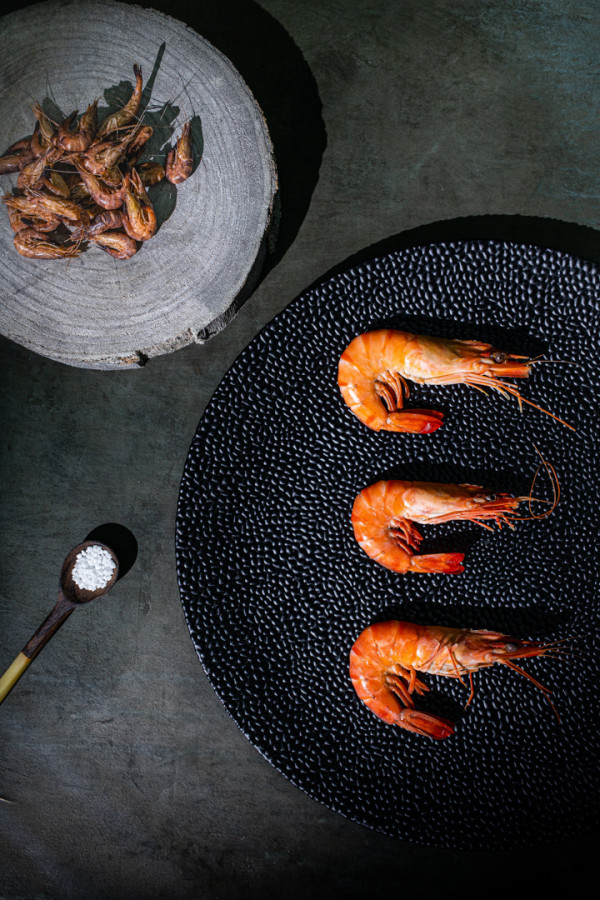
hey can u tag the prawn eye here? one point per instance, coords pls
(491, 497)
(498, 356)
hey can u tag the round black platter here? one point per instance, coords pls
(275, 589)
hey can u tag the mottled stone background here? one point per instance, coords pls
(393, 123)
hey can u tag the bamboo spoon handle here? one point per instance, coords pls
(49, 626)
(12, 674)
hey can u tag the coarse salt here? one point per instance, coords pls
(93, 569)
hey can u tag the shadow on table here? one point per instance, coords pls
(121, 541)
(567, 237)
(283, 85)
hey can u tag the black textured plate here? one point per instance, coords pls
(276, 590)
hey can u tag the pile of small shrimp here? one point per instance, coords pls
(80, 182)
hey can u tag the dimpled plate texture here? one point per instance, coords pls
(275, 588)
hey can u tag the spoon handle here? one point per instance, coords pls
(49, 626)
(12, 674)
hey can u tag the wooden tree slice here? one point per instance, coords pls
(186, 283)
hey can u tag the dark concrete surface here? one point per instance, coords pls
(392, 122)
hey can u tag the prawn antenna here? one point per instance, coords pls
(474, 380)
(521, 399)
(551, 472)
(559, 362)
(545, 691)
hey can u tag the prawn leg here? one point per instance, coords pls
(392, 389)
(406, 538)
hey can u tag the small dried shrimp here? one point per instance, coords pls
(69, 172)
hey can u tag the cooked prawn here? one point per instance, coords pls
(78, 191)
(128, 112)
(139, 218)
(180, 160)
(31, 243)
(9, 163)
(67, 211)
(56, 184)
(105, 195)
(103, 220)
(386, 657)
(29, 209)
(23, 214)
(140, 138)
(103, 155)
(16, 221)
(73, 174)
(375, 367)
(31, 174)
(15, 159)
(383, 517)
(80, 138)
(44, 134)
(116, 244)
(107, 220)
(19, 146)
(150, 173)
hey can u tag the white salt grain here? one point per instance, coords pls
(93, 568)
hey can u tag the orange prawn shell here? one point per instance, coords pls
(367, 356)
(386, 657)
(419, 501)
(384, 512)
(420, 358)
(379, 363)
(437, 649)
(386, 647)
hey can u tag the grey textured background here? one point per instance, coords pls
(393, 122)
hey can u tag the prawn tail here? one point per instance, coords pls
(414, 421)
(424, 723)
(448, 563)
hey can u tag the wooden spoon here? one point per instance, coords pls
(70, 596)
